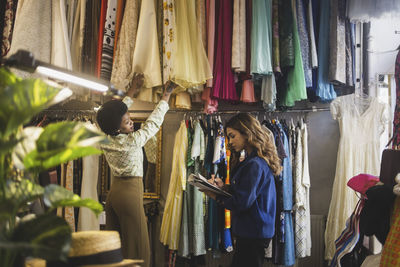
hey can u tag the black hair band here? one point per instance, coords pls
(106, 257)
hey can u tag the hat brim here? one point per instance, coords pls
(124, 263)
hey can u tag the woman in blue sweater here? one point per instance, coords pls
(253, 200)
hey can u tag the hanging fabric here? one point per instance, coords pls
(239, 36)
(224, 85)
(118, 21)
(108, 40)
(87, 219)
(146, 57)
(171, 221)
(122, 72)
(77, 35)
(261, 38)
(60, 50)
(191, 67)
(90, 38)
(396, 119)
(32, 30)
(337, 43)
(325, 90)
(8, 26)
(169, 39)
(361, 123)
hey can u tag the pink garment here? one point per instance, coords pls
(362, 182)
(210, 105)
(210, 13)
(224, 85)
(248, 92)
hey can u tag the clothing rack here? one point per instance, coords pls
(68, 113)
(306, 110)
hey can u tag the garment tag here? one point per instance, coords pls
(102, 218)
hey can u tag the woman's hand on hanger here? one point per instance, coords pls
(136, 84)
(168, 88)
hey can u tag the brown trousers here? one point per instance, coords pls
(125, 214)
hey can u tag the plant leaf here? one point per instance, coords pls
(28, 135)
(20, 100)
(16, 195)
(61, 142)
(47, 236)
(56, 196)
(7, 146)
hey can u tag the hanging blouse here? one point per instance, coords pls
(122, 71)
(171, 221)
(191, 67)
(239, 36)
(224, 85)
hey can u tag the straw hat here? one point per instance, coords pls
(98, 249)
(92, 249)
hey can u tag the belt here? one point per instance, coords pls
(128, 177)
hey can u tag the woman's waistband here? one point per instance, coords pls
(128, 177)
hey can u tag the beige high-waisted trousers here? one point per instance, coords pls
(125, 214)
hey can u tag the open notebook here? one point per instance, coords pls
(199, 181)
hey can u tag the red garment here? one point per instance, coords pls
(102, 21)
(224, 85)
(396, 120)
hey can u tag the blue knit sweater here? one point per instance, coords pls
(253, 201)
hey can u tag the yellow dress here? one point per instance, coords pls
(191, 66)
(171, 221)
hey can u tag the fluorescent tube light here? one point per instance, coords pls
(63, 76)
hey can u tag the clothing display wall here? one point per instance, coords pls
(201, 221)
(228, 44)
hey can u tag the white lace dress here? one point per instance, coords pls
(361, 122)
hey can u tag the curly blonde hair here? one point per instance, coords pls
(258, 138)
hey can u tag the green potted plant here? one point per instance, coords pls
(24, 153)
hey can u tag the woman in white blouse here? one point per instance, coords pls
(124, 154)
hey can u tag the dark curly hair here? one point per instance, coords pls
(256, 137)
(109, 116)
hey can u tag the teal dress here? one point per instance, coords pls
(261, 37)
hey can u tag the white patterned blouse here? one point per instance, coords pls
(124, 152)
